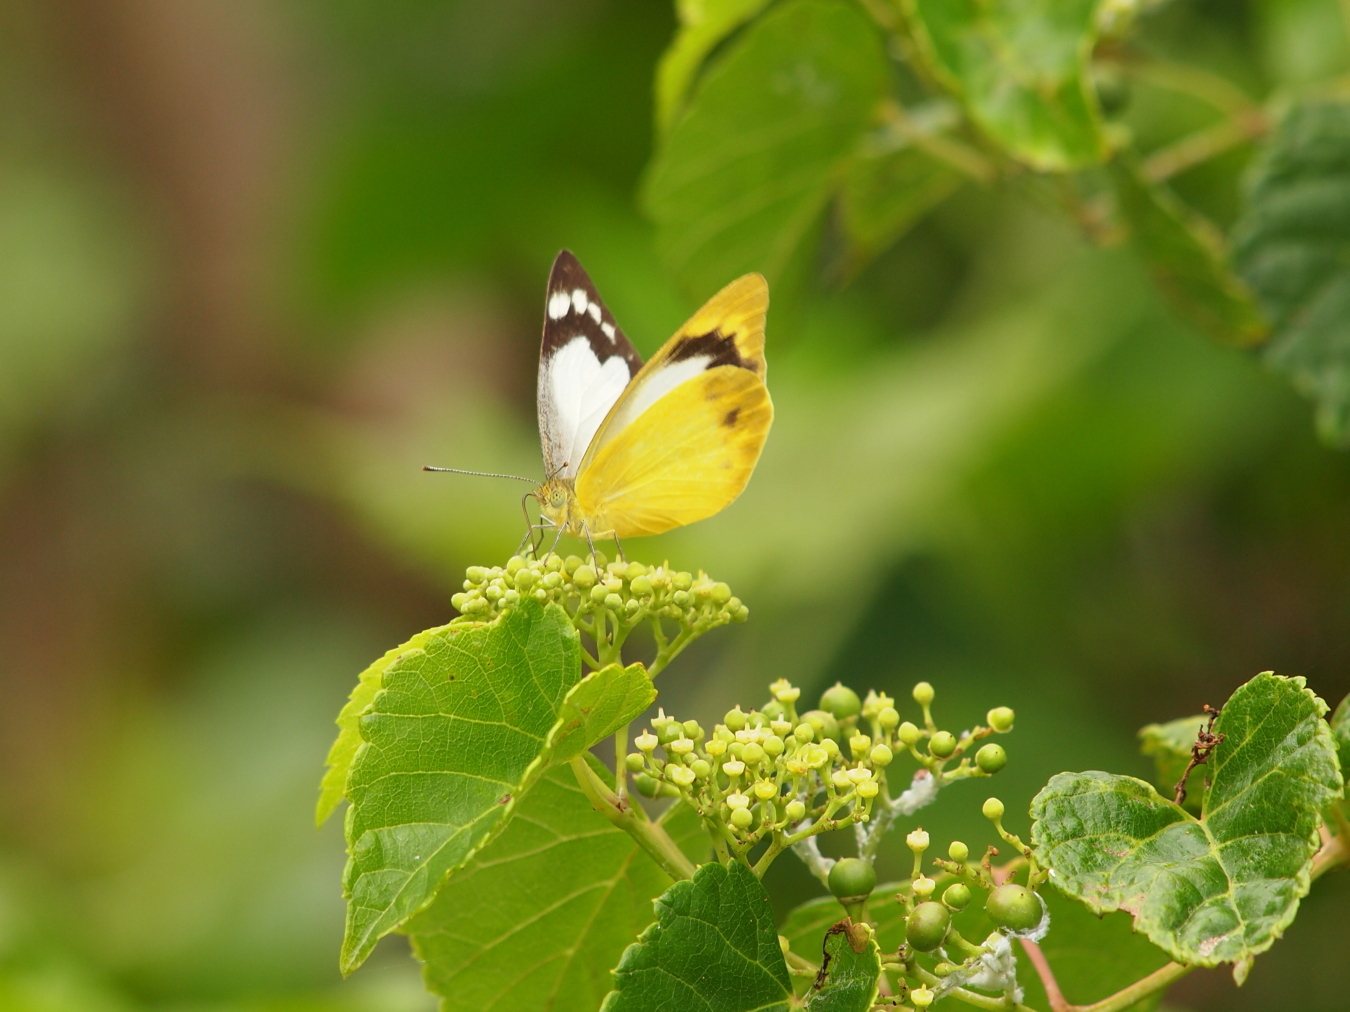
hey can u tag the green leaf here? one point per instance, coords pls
(703, 25)
(1187, 261)
(1169, 746)
(1340, 727)
(332, 789)
(745, 174)
(1292, 245)
(597, 706)
(850, 983)
(453, 738)
(1020, 68)
(537, 920)
(1223, 887)
(713, 948)
(884, 194)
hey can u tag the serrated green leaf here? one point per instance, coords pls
(332, 789)
(1340, 727)
(1187, 261)
(703, 25)
(713, 948)
(1223, 887)
(746, 172)
(1169, 746)
(597, 706)
(1292, 245)
(452, 739)
(536, 920)
(1020, 68)
(883, 195)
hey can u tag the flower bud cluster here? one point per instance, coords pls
(770, 771)
(627, 591)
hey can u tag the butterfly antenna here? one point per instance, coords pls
(478, 474)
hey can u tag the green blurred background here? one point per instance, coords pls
(261, 261)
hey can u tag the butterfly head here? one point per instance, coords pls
(557, 501)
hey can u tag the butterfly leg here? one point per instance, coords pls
(556, 539)
(619, 548)
(595, 558)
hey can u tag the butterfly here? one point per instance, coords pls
(632, 449)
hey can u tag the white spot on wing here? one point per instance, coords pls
(594, 310)
(558, 305)
(608, 328)
(579, 300)
(575, 394)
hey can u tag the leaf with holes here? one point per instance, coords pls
(745, 174)
(1187, 261)
(1292, 245)
(334, 785)
(1020, 68)
(1223, 887)
(510, 932)
(455, 735)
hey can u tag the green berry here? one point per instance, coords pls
(927, 925)
(650, 787)
(795, 811)
(923, 694)
(957, 896)
(635, 761)
(634, 570)
(991, 758)
(525, 580)
(613, 601)
(773, 710)
(571, 564)
(907, 734)
(852, 877)
(752, 753)
(822, 723)
(993, 809)
(584, 577)
(642, 587)
(670, 732)
(735, 719)
(1014, 907)
(721, 593)
(958, 852)
(741, 818)
(942, 744)
(1000, 718)
(881, 756)
(841, 701)
(804, 733)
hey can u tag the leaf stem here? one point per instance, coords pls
(1201, 146)
(983, 1001)
(650, 836)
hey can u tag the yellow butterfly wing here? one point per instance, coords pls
(683, 439)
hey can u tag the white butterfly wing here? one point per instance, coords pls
(585, 363)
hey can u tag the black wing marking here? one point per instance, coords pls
(585, 362)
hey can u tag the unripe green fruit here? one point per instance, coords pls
(881, 756)
(599, 593)
(958, 852)
(991, 758)
(927, 925)
(525, 580)
(635, 761)
(752, 753)
(642, 586)
(1000, 718)
(993, 809)
(692, 730)
(571, 564)
(667, 733)
(1014, 907)
(804, 733)
(923, 694)
(584, 577)
(822, 723)
(841, 701)
(942, 744)
(721, 593)
(741, 818)
(907, 734)
(957, 896)
(773, 710)
(795, 810)
(648, 787)
(852, 877)
(773, 746)
(735, 719)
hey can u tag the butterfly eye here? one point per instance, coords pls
(556, 497)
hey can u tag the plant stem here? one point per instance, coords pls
(1203, 145)
(983, 1001)
(650, 836)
